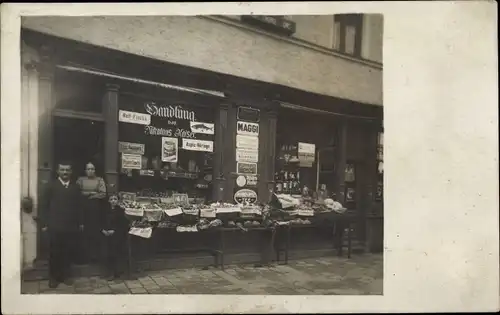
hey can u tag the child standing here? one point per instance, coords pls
(114, 228)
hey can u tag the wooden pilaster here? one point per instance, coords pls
(263, 163)
(229, 166)
(220, 175)
(341, 156)
(46, 101)
(111, 158)
(272, 118)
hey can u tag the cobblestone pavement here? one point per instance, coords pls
(362, 274)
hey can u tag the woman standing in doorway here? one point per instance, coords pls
(94, 192)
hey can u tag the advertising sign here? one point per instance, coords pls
(198, 145)
(131, 148)
(134, 118)
(250, 156)
(131, 161)
(245, 196)
(246, 168)
(201, 127)
(247, 142)
(169, 152)
(247, 128)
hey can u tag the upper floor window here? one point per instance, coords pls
(347, 33)
(279, 24)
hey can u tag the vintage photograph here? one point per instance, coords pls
(208, 154)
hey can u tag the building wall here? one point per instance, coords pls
(319, 30)
(206, 43)
(373, 37)
(29, 152)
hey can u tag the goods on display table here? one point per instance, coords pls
(148, 213)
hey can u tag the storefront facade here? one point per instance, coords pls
(243, 127)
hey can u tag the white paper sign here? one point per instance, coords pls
(251, 210)
(247, 128)
(173, 212)
(141, 232)
(201, 127)
(191, 211)
(305, 212)
(134, 212)
(169, 149)
(134, 118)
(198, 145)
(283, 222)
(186, 229)
(247, 142)
(131, 161)
(250, 156)
(307, 148)
(228, 210)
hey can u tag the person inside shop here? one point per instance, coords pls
(114, 227)
(93, 189)
(61, 216)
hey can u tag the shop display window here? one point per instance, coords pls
(305, 155)
(379, 196)
(350, 184)
(166, 148)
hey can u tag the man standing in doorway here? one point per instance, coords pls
(61, 217)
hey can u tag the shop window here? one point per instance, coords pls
(166, 149)
(304, 155)
(350, 184)
(348, 33)
(278, 24)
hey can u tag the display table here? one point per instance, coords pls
(212, 239)
(337, 223)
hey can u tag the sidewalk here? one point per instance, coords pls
(362, 274)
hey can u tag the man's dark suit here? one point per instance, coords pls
(61, 213)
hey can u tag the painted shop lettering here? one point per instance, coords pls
(177, 133)
(169, 111)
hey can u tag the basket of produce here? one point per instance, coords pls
(153, 213)
(226, 211)
(172, 212)
(248, 224)
(205, 224)
(133, 210)
(167, 224)
(207, 212)
(191, 214)
(251, 213)
(300, 222)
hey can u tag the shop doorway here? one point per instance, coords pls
(79, 140)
